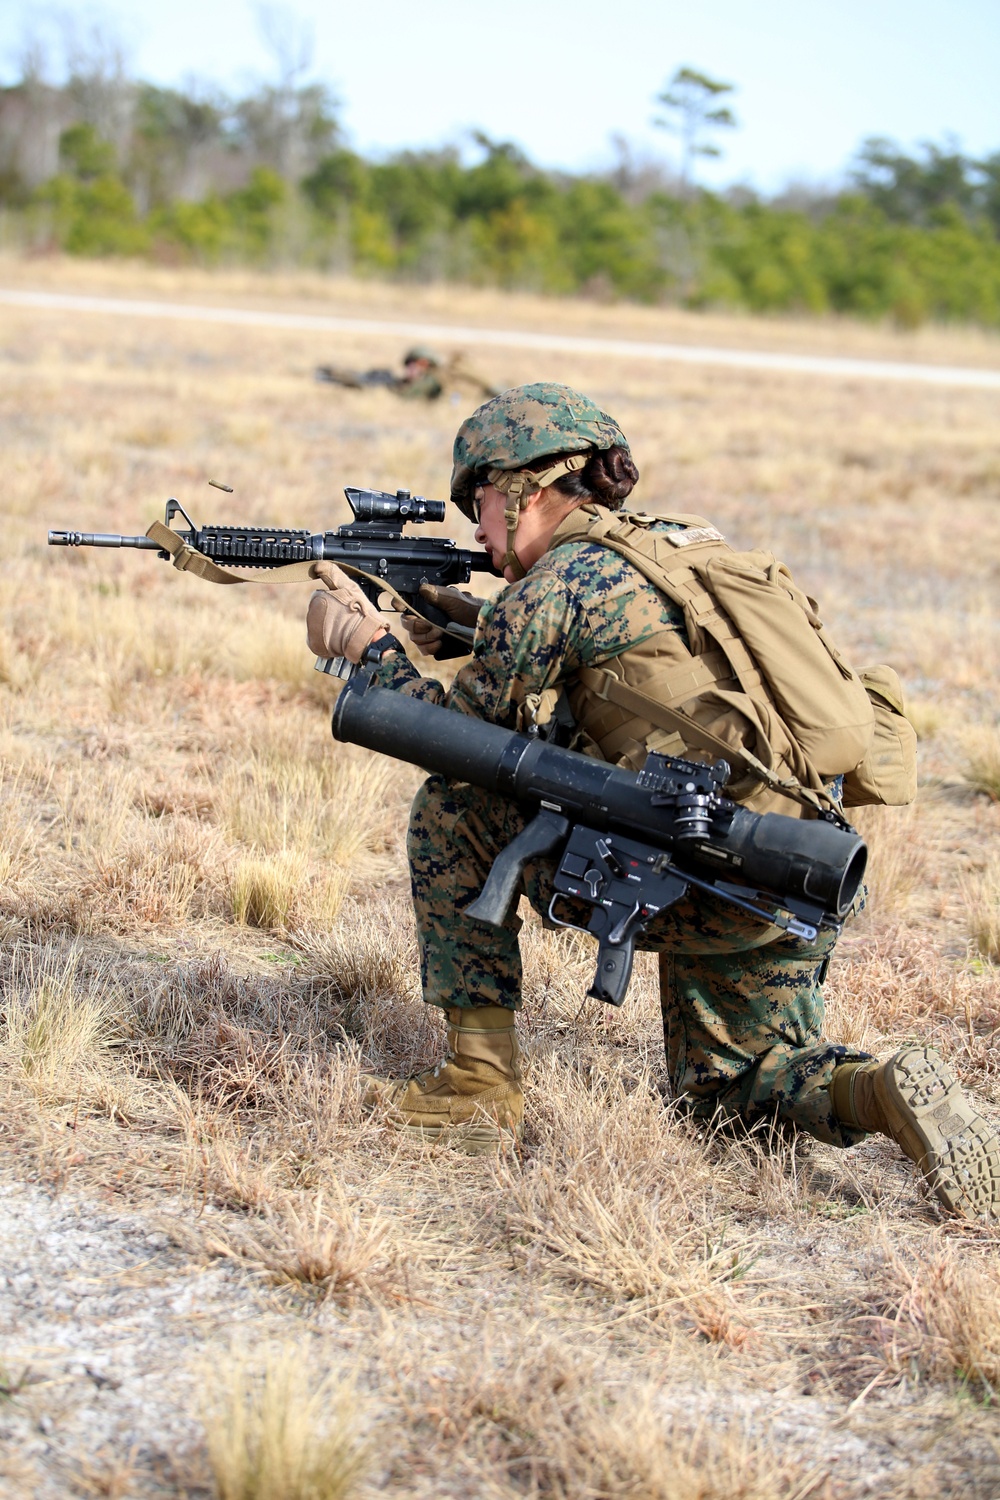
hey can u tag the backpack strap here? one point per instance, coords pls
(657, 557)
(669, 559)
(611, 689)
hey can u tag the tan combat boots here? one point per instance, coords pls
(473, 1098)
(916, 1099)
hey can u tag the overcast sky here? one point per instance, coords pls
(560, 77)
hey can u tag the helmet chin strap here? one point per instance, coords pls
(517, 486)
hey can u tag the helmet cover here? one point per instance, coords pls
(422, 352)
(524, 424)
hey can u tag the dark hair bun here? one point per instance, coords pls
(610, 475)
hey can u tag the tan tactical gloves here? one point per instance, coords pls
(463, 609)
(340, 622)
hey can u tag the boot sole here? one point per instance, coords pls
(956, 1149)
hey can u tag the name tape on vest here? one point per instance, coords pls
(694, 534)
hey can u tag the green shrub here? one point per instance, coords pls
(898, 247)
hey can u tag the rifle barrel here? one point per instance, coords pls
(100, 539)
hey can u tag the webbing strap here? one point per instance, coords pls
(666, 687)
(624, 742)
(613, 690)
(523, 482)
(188, 559)
(680, 583)
(517, 485)
(684, 587)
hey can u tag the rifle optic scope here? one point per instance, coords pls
(375, 505)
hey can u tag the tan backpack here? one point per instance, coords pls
(888, 773)
(762, 684)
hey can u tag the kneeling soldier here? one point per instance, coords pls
(582, 635)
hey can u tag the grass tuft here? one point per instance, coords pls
(620, 1200)
(925, 715)
(538, 1420)
(942, 1319)
(982, 759)
(275, 1433)
(57, 1033)
(981, 897)
(265, 891)
(331, 808)
(63, 1041)
(896, 862)
(275, 892)
(335, 1253)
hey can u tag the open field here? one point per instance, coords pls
(206, 937)
(444, 303)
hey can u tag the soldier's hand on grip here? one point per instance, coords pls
(341, 622)
(462, 608)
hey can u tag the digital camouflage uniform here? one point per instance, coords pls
(451, 377)
(742, 1001)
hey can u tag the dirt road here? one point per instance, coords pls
(746, 359)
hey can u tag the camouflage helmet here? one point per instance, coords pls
(422, 351)
(523, 424)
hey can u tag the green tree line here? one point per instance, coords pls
(268, 181)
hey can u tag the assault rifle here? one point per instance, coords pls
(625, 845)
(373, 545)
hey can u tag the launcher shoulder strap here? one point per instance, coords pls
(613, 690)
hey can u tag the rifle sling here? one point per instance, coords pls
(188, 559)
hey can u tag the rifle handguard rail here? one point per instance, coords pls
(372, 549)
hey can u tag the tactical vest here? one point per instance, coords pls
(753, 678)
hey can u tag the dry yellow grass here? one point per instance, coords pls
(982, 897)
(334, 1252)
(273, 1434)
(944, 1321)
(205, 937)
(982, 746)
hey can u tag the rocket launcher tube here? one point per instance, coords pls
(673, 805)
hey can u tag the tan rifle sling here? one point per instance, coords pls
(188, 559)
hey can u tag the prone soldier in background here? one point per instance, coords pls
(426, 377)
(612, 635)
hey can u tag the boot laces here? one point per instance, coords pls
(439, 1067)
